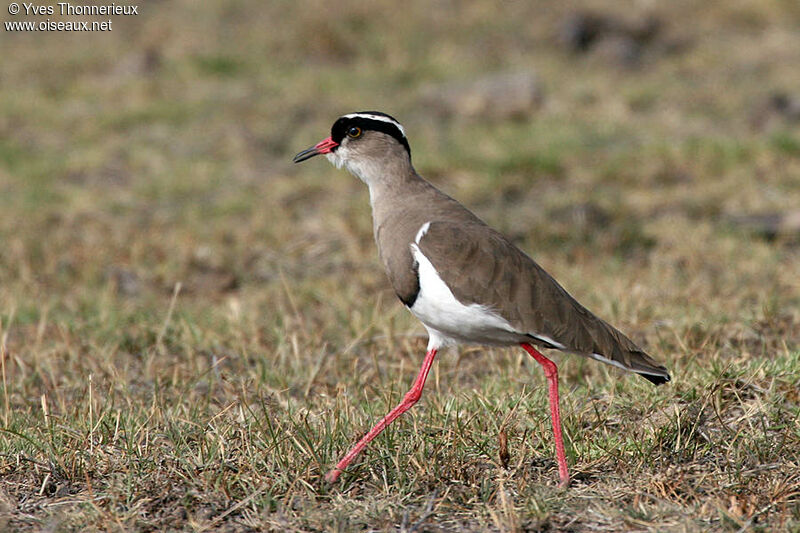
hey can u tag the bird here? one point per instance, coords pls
(466, 282)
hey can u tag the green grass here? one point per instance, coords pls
(157, 157)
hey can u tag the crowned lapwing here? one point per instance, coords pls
(463, 280)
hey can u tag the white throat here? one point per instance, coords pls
(370, 171)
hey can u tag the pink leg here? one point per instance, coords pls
(551, 373)
(411, 397)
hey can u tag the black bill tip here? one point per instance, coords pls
(305, 154)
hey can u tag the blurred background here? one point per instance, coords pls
(181, 123)
(155, 235)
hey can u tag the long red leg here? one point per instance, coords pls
(551, 373)
(411, 397)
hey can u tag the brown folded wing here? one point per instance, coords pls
(481, 266)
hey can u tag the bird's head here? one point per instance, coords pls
(365, 143)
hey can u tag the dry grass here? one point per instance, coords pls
(193, 330)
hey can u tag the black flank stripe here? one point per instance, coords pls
(410, 298)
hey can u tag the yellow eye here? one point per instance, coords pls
(354, 132)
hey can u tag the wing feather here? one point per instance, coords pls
(481, 266)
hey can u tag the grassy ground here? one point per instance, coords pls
(193, 330)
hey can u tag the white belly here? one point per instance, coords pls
(447, 320)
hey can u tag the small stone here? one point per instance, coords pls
(125, 281)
